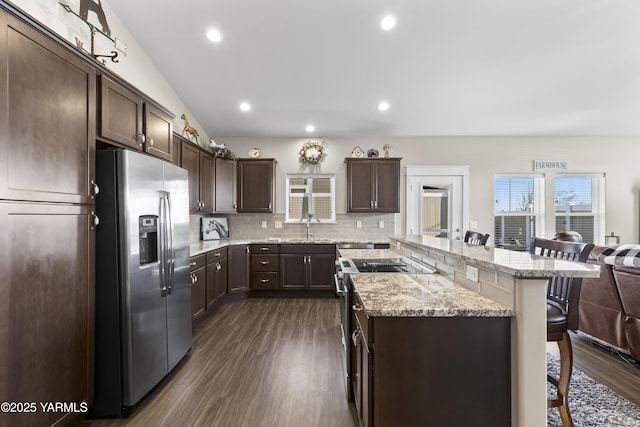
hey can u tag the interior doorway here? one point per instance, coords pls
(436, 202)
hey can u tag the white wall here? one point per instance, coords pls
(486, 156)
(136, 67)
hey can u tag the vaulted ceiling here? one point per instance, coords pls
(449, 67)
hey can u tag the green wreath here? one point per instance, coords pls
(313, 152)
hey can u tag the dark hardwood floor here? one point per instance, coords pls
(278, 362)
(258, 362)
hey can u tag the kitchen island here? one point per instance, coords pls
(518, 281)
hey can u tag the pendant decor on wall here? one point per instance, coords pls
(313, 152)
(95, 6)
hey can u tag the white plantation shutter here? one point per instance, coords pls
(518, 209)
(579, 205)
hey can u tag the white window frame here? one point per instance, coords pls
(538, 212)
(332, 178)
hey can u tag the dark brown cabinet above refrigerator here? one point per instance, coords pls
(373, 185)
(127, 119)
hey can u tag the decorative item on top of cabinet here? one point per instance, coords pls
(256, 185)
(220, 150)
(313, 152)
(372, 153)
(192, 133)
(386, 148)
(127, 119)
(373, 185)
(255, 153)
(357, 152)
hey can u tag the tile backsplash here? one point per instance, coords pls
(249, 227)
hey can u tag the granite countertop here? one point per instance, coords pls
(422, 295)
(369, 253)
(517, 264)
(203, 246)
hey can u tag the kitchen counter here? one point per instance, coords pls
(203, 246)
(369, 253)
(422, 295)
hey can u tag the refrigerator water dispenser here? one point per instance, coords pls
(148, 233)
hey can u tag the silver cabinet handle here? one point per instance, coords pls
(371, 204)
(375, 204)
(96, 220)
(235, 206)
(247, 249)
(264, 248)
(264, 262)
(357, 307)
(264, 280)
(217, 254)
(269, 206)
(95, 189)
(150, 141)
(218, 266)
(193, 264)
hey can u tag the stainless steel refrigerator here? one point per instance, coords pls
(143, 291)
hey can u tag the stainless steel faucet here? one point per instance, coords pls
(309, 216)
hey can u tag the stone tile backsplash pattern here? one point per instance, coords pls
(249, 227)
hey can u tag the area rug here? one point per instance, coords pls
(591, 403)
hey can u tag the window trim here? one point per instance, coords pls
(331, 176)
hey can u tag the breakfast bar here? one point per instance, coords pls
(516, 280)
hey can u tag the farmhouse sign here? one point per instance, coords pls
(550, 166)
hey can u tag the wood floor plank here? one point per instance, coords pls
(259, 362)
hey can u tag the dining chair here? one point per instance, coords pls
(475, 238)
(563, 296)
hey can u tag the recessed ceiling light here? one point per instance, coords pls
(214, 35)
(245, 106)
(383, 106)
(310, 128)
(388, 22)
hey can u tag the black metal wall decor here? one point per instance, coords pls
(94, 6)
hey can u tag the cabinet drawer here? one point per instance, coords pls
(198, 261)
(264, 263)
(218, 254)
(264, 249)
(264, 281)
(361, 318)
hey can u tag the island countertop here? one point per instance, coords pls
(422, 295)
(202, 246)
(516, 264)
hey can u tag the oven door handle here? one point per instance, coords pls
(339, 289)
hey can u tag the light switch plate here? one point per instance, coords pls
(264, 224)
(358, 224)
(278, 224)
(380, 224)
(472, 273)
(473, 225)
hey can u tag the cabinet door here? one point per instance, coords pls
(293, 271)
(158, 130)
(225, 183)
(255, 186)
(360, 185)
(207, 185)
(47, 119)
(190, 160)
(321, 270)
(387, 186)
(47, 305)
(121, 114)
(198, 292)
(238, 280)
(216, 281)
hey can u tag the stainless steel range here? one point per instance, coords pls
(347, 266)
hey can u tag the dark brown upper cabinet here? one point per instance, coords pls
(200, 168)
(373, 185)
(127, 119)
(225, 186)
(256, 185)
(47, 119)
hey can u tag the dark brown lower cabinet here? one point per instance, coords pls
(431, 371)
(238, 263)
(198, 286)
(307, 267)
(216, 277)
(47, 306)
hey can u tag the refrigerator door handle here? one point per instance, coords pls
(163, 243)
(170, 255)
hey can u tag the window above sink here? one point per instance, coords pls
(311, 197)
